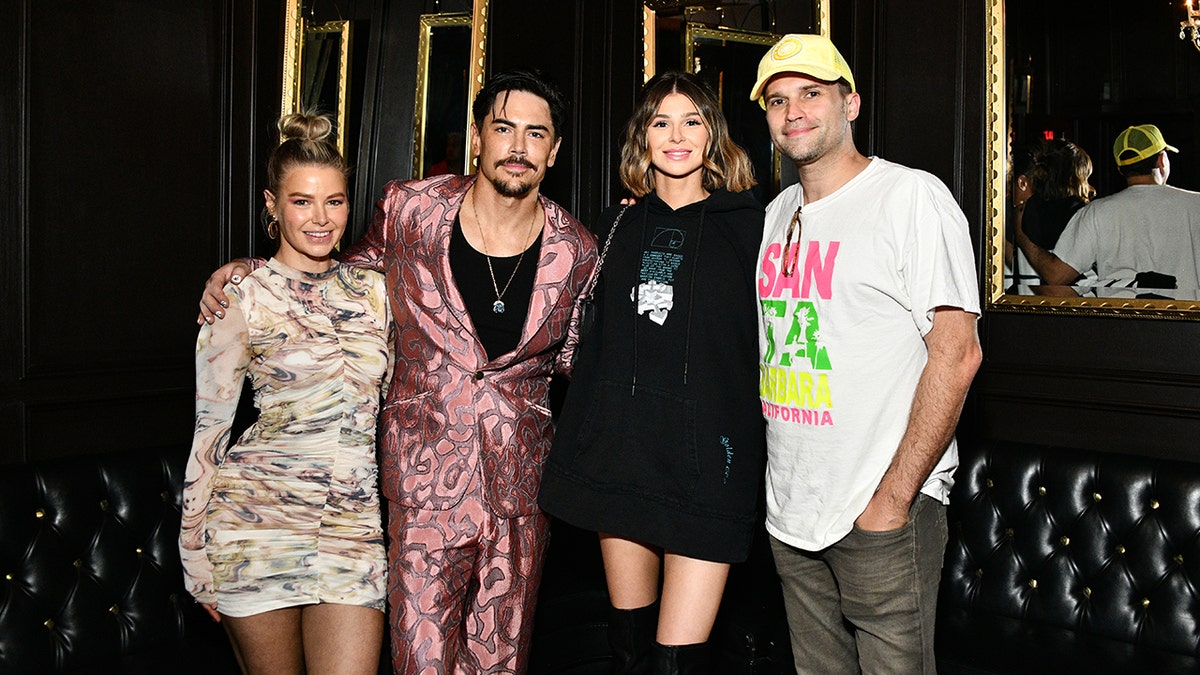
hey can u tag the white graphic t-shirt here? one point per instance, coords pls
(841, 340)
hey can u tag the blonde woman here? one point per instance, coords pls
(281, 539)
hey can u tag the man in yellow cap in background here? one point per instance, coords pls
(1145, 236)
(869, 298)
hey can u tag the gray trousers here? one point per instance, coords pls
(867, 603)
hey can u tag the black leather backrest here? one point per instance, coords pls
(1103, 543)
(89, 559)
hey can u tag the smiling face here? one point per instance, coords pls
(677, 139)
(312, 212)
(516, 143)
(809, 118)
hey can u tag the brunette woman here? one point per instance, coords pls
(660, 444)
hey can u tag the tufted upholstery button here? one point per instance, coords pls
(1065, 540)
(990, 483)
(1096, 496)
(1178, 558)
(1154, 503)
(1033, 583)
(1087, 592)
(1120, 549)
(72, 598)
(1042, 491)
(1145, 602)
(479, 375)
(1009, 532)
(979, 572)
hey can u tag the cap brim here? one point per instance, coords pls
(756, 94)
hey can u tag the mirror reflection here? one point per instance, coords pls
(1103, 158)
(316, 62)
(443, 88)
(324, 65)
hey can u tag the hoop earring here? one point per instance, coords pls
(273, 228)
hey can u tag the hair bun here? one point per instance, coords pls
(305, 126)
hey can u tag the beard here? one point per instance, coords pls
(511, 188)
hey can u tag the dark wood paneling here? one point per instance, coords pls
(136, 128)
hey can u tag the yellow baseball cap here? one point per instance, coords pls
(1137, 143)
(812, 55)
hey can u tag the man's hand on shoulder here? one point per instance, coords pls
(214, 302)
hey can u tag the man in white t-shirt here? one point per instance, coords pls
(869, 304)
(1145, 236)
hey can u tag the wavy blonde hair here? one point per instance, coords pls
(726, 164)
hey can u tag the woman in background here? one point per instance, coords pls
(281, 538)
(660, 445)
(1055, 187)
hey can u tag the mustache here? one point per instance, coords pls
(515, 159)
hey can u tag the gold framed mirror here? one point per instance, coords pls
(1018, 83)
(316, 67)
(451, 56)
(442, 107)
(722, 57)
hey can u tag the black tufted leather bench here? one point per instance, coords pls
(1068, 561)
(91, 574)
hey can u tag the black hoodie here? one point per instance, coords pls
(663, 415)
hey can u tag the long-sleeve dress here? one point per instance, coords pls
(289, 515)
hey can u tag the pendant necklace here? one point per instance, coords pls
(498, 305)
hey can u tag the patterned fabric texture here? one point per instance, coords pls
(289, 515)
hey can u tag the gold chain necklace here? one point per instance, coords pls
(498, 305)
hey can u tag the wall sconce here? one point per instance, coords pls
(1190, 29)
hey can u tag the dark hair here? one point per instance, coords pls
(529, 81)
(1142, 167)
(1061, 169)
(304, 141)
(726, 165)
(1022, 161)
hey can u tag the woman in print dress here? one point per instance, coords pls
(281, 539)
(660, 445)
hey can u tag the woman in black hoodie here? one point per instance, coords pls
(660, 444)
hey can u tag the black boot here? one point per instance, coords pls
(682, 659)
(631, 635)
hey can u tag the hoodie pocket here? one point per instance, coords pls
(642, 441)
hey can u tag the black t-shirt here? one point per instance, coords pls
(499, 332)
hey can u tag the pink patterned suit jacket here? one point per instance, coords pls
(450, 412)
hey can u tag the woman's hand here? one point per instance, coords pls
(211, 608)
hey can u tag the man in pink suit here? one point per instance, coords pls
(482, 277)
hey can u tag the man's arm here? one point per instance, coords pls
(1048, 266)
(213, 302)
(954, 356)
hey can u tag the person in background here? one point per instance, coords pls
(869, 301)
(281, 538)
(1145, 236)
(660, 444)
(482, 276)
(451, 162)
(1051, 188)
